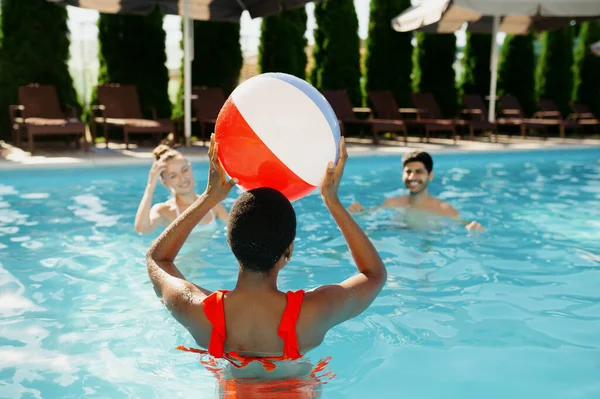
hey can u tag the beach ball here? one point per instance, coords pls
(276, 130)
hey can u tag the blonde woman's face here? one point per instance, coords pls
(178, 175)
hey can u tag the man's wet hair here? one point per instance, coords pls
(261, 227)
(418, 156)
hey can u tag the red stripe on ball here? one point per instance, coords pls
(245, 156)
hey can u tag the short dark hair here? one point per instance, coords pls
(262, 225)
(418, 156)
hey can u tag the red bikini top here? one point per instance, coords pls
(215, 312)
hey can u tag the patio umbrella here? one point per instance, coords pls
(206, 10)
(510, 16)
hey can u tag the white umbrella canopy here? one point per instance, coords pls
(510, 16)
(207, 10)
(516, 16)
(544, 8)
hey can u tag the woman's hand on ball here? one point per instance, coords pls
(218, 187)
(333, 175)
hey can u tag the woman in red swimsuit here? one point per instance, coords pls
(255, 321)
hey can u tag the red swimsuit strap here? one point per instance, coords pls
(215, 313)
(287, 326)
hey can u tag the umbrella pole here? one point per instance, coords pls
(494, 69)
(187, 75)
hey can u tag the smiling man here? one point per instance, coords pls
(417, 174)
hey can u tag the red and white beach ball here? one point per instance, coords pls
(276, 130)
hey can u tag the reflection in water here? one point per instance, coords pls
(289, 379)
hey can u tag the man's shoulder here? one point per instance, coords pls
(396, 202)
(445, 208)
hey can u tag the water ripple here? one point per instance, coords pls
(513, 312)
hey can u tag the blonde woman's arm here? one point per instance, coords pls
(221, 212)
(149, 217)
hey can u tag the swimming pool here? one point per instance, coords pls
(514, 312)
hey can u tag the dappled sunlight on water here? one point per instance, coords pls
(512, 312)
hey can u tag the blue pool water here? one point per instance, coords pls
(511, 313)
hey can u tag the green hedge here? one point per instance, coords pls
(586, 69)
(336, 53)
(217, 60)
(553, 75)
(433, 69)
(475, 78)
(34, 48)
(516, 70)
(388, 62)
(283, 44)
(132, 51)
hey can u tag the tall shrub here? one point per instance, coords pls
(34, 49)
(554, 76)
(337, 48)
(433, 69)
(132, 51)
(217, 60)
(388, 60)
(476, 64)
(283, 43)
(516, 70)
(586, 69)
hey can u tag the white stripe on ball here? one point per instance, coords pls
(289, 123)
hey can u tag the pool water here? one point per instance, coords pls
(510, 313)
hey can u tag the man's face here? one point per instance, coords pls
(415, 177)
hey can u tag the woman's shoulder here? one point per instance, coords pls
(164, 208)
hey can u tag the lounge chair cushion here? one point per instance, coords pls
(35, 121)
(130, 122)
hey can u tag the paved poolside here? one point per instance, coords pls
(58, 155)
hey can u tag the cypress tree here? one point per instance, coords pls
(283, 44)
(554, 78)
(516, 70)
(433, 69)
(337, 49)
(476, 64)
(217, 60)
(318, 51)
(586, 69)
(388, 60)
(132, 51)
(34, 49)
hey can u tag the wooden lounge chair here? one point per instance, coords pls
(514, 116)
(39, 114)
(478, 116)
(584, 117)
(583, 112)
(340, 102)
(386, 107)
(549, 111)
(119, 106)
(206, 104)
(431, 116)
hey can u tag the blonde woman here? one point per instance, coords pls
(175, 173)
